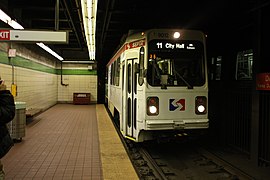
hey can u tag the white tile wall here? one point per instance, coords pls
(37, 89)
(42, 90)
(6, 75)
(77, 84)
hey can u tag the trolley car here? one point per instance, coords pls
(157, 84)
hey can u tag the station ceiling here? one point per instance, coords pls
(116, 17)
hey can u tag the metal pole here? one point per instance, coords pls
(57, 15)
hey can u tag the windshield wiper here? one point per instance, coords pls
(157, 70)
(183, 79)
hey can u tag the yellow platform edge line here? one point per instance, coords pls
(115, 161)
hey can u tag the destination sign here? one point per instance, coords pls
(170, 45)
(162, 45)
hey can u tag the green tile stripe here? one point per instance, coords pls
(28, 64)
(76, 72)
(25, 63)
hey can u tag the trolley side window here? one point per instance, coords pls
(117, 71)
(112, 74)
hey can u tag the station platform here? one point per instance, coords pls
(70, 142)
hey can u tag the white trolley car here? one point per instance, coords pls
(157, 84)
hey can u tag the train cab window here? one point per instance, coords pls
(180, 66)
(244, 63)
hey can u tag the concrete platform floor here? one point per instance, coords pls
(70, 142)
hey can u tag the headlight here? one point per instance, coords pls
(200, 105)
(176, 35)
(152, 105)
(201, 108)
(152, 109)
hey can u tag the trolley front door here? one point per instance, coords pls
(131, 98)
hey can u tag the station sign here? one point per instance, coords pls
(33, 36)
(263, 81)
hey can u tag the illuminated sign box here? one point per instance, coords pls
(34, 36)
(263, 81)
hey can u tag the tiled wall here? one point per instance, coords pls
(76, 78)
(38, 79)
(37, 88)
(77, 84)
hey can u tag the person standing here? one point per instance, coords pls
(7, 113)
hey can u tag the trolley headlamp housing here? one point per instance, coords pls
(152, 106)
(200, 105)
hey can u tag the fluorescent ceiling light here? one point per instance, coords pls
(15, 25)
(46, 48)
(5, 18)
(89, 12)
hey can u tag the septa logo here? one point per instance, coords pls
(177, 104)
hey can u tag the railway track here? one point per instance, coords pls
(147, 167)
(182, 159)
(173, 161)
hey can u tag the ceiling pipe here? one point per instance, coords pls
(78, 7)
(108, 14)
(72, 22)
(57, 15)
(61, 71)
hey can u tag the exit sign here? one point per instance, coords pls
(263, 81)
(4, 35)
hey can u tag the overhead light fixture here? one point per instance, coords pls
(49, 50)
(5, 18)
(89, 12)
(15, 25)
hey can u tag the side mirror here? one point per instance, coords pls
(141, 66)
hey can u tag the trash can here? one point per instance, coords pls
(17, 125)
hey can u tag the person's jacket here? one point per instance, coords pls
(7, 110)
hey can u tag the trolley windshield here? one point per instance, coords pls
(172, 63)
